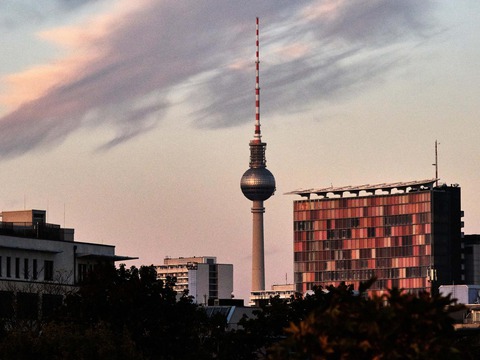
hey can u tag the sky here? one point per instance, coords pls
(129, 121)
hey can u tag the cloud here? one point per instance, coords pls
(146, 49)
(16, 14)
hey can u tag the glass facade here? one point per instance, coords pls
(393, 237)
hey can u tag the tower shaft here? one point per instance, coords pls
(258, 253)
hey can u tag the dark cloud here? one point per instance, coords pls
(15, 14)
(168, 43)
(379, 22)
(73, 4)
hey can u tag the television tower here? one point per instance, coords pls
(257, 184)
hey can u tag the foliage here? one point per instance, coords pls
(393, 326)
(118, 313)
(126, 313)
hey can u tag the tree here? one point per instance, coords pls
(117, 313)
(133, 300)
(393, 326)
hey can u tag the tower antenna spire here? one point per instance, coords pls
(257, 184)
(258, 135)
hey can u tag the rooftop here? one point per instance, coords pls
(349, 191)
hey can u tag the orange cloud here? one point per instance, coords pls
(293, 51)
(322, 9)
(83, 45)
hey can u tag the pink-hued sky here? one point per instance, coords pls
(130, 120)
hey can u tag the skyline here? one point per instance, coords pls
(132, 120)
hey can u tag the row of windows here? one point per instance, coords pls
(352, 239)
(399, 241)
(26, 269)
(27, 306)
(354, 264)
(355, 202)
(353, 275)
(364, 233)
(374, 211)
(407, 240)
(413, 286)
(363, 222)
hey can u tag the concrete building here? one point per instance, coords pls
(257, 184)
(232, 314)
(39, 262)
(283, 291)
(201, 276)
(469, 296)
(408, 235)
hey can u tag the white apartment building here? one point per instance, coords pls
(39, 262)
(203, 278)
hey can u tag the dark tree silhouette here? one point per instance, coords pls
(394, 326)
(126, 313)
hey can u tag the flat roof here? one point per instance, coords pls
(367, 188)
(92, 256)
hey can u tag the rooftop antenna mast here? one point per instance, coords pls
(436, 162)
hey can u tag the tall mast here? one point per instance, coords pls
(436, 163)
(258, 136)
(257, 184)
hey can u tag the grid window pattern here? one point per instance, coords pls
(352, 239)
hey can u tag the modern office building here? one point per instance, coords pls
(40, 262)
(408, 235)
(257, 184)
(472, 259)
(201, 276)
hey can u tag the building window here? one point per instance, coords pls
(82, 272)
(25, 269)
(9, 266)
(7, 310)
(34, 269)
(48, 270)
(27, 306)
(17, 268)
(0, 266)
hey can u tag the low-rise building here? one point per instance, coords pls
(283, 291)
(40, 262)
(201, 276)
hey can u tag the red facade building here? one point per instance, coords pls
(407, 235)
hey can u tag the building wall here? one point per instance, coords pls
(26, 252)
(388, 236)
(447, 234)
(202, 276)
(472, 259)
(225, 281)
(24, 216)
(38, 267)
(198, 283)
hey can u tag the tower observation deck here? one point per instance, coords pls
(257, 184)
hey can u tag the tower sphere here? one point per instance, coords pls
(257, 184)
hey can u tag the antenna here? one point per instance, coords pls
(436, 162)
(258, 136)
